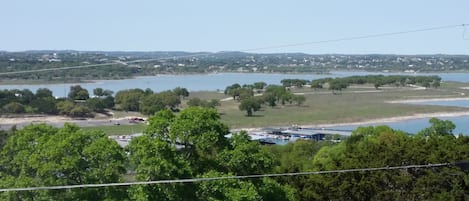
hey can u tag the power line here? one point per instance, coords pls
(464, 32)
(360, 37)
(193, 180)
(246, 50)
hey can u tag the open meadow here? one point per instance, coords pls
(354, 104)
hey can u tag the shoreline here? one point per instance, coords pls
(398, 119)
(429, 100)
(4, 121)
(328, 72)
(374, 121)
(63, 119)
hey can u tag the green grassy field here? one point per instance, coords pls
(206, 95)
(351, 105)
(321, 106)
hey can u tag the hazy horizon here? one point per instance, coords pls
(213, 26)
(227, 51)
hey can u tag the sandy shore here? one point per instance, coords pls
(62, 119)
(376, 121)
(53, 119)
(396, 119)
(45, 119)
(428, 100)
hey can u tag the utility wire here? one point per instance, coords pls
(229, 177)
(464, 32)
(359, 37)
(245, 50)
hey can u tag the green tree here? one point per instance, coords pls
(195, 102)
(81, 111)
(108, 102)
(193, 144)
(96, 104)
(337, 85)
(272, 190)
(14, 107)
(98, 92)
(259, 85)
(3, 138)
(245, 157)
(78, 93)
(198, 130)
(44, 93)
(181, 92)
(151, 104)
(213, 103)
(169, 99)
(129, 100)
(155, 159)
(227, 189)
(65, 107)
(244, 93)
(201, 135)
(233, 90)
(26, 96)
(40, 155)
(270, 99)
(317, 84)
(45, 104)
(380, 147)
(438, 128)
(250, 105)
(107, 92)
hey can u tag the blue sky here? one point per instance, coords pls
(215, 25)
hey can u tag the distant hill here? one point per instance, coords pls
(125, 64)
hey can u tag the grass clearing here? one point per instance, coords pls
(358, 103)
(207, 95)
(350, 106)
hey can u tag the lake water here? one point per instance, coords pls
(207, 82)
(211, 82)
(415, 125)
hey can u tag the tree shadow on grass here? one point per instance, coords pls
(255, 115)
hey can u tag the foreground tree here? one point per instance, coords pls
(380, 147)
(41, 155)
(155, 159)
(193, 144)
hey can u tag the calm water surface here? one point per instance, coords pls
(414, 126)
(207, 82)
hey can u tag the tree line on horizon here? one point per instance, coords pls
(177, 63)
